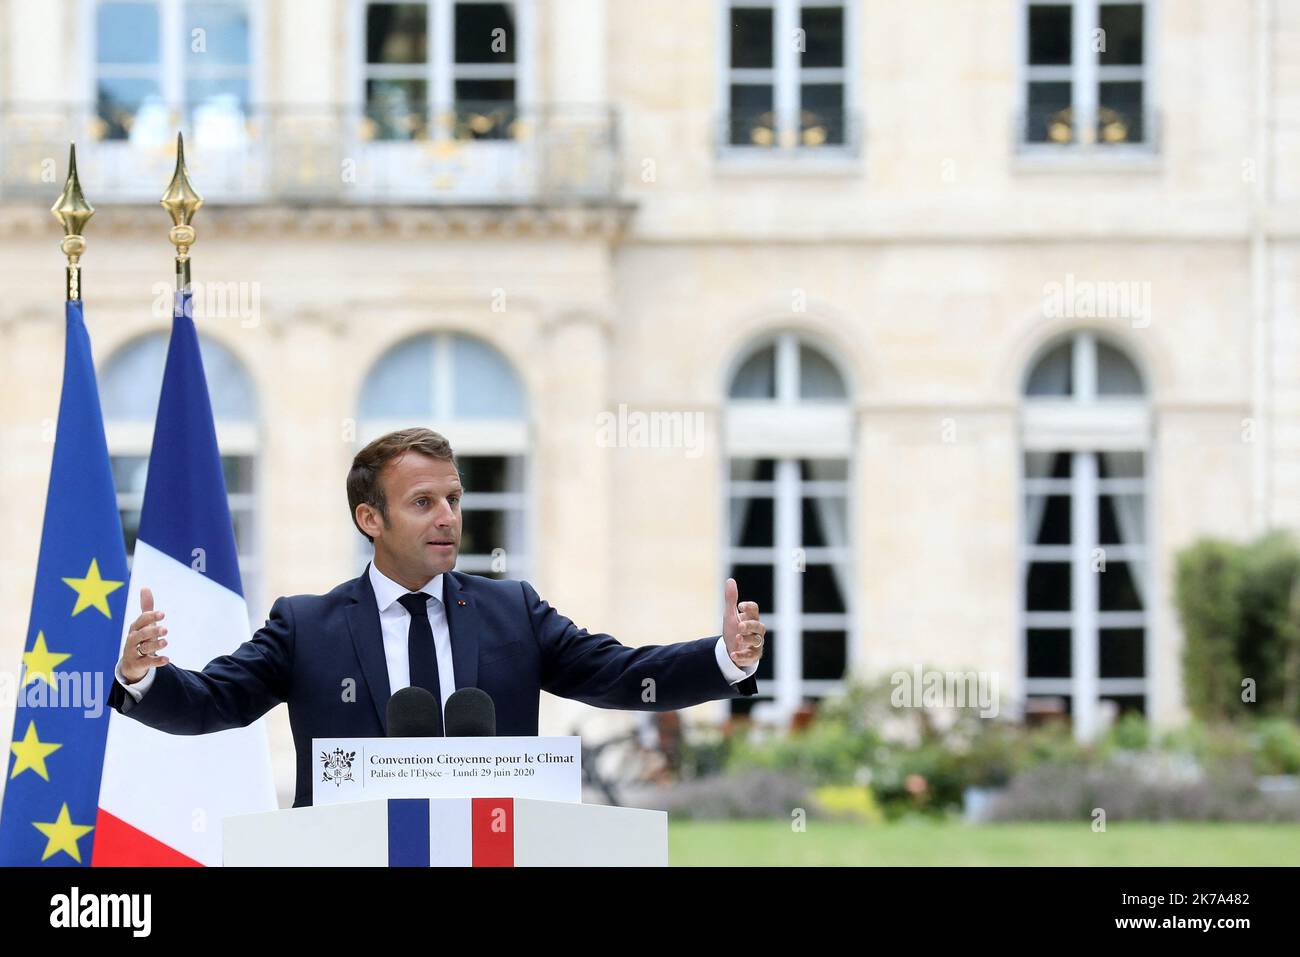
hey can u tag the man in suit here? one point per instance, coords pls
(409, 620)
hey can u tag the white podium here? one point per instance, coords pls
(447, 802)
(448, 832)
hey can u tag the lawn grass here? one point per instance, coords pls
(926, 843)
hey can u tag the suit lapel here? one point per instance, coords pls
(368, 640)
(464, 625)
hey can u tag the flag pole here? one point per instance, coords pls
(72, 210)
(182, 201)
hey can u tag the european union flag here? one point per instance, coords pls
(51, 797)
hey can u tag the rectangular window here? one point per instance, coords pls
(154, 58)
(786, 66)
(441, 70)
(1086, 74)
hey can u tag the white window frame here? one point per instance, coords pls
(785, 77)
(1084, 74)
(1057, 431)
(786, 620)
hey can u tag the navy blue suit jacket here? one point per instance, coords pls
(504, 639)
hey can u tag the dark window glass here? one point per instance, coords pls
(756, 516)
(1128, 704)
(751, 37)
(825, 654)
(1119, 112)
(485, 109)
(1117, 591)
(1121, 25)
(821, 593)
(1047, 653)
(754, 583)
(397, 108)
(1048, 588)
(823, 36)
(1121, 653)
(485, 33)
(1054, 526)
(821, 117)
(397, 33)
(482, 530)
(752, 122)
(1046, 118)
(1050, 35)
(484, 473)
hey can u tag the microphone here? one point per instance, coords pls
(471, 714)
(414, 713)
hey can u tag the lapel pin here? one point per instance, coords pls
(460, 601)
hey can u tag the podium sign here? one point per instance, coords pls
(359, 769)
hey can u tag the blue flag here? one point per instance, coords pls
(52, 779)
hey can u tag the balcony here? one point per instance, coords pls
(497, 153)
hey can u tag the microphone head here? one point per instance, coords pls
(471, 714)
(414, 713)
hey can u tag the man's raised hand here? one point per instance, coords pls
(741, 629)
(143, 641)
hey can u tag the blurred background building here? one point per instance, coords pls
(941, 325)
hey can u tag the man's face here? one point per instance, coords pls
(422, 535)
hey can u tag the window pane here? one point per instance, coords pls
(823, 36)
(484, 473)
(1127, 704)
(751, 37)
(119, 100)
(1047, 118)
(127, 33)
(224, 38)
(1053, 376)
(396, 33)
(1121, 520)
(1116, 374)
(1048, 588)
(818, 378)
(485, 33)
(486, 387)
(756, 379)
(1120, 465)
(825, 654)
(752, 522)
(1050, 35)
(1119, 113)
(1121, 24)
(1047, 653)
(401, 383)
(754, 583)
(482, 530)
(824, 522)
(132, 381)
(1117, 590)
(130, 472)
(752, 120)
(397, 108)
(821, 117)
(821, 591)
(1047, 519)
(237, 471)
(1121, 653)
(485, 109)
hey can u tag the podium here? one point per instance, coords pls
(448, 832)
(447, 802)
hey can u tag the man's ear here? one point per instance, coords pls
(369, 519)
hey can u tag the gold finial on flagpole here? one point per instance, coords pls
(72, 210)
(182, 201)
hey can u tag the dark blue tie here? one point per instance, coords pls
(421, 651)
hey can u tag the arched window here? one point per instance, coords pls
(129, 388)
(1085, 436)
(466, 390)
(789, 443)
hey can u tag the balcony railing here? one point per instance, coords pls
(1106, 131)
(809, 133)
(499, 153)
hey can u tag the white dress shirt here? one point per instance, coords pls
(395, 625)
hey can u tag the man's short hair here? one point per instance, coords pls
(363, 478)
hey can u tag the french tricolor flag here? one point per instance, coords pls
(163, 797)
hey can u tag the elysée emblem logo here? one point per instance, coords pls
(338, 765)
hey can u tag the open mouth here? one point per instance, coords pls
(442, 544)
